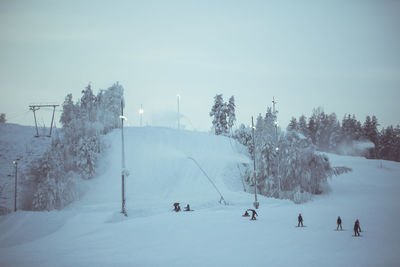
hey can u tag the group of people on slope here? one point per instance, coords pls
(357, 228)
(178, 208)
(253, 214)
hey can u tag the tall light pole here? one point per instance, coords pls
(276, 141)
(277, 151)
(15, 162)
(141, 114)
(256, 204)
(178, 98)
(123, 171)
(273, 104)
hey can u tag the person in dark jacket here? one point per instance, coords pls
(339, 223)
(357, 228)
(253, 214)
(177, 207)
(187, 208)
(246, 214)
(300, 219)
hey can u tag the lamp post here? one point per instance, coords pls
(123, 171)
(256, 203)
(277, 151)
(141, 114)
(15, 162)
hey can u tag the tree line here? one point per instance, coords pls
(350, 136)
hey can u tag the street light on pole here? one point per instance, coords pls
(141, 114)
(277, 151)
(123, 171)
(256, 203)
(15, 162)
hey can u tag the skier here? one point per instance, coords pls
(357, 228)
(246, 214)
(177, 207)
(300, 219)
(253, 214)
(339, 223)
(187, 208)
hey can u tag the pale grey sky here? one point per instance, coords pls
(340, 55)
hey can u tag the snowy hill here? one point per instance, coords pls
(17, 142)
(92, 232)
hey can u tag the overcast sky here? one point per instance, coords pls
(341, 55)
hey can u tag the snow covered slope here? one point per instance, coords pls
(17, 141)
(162, 170)
(92, 232)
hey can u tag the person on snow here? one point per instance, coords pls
(253, 214)
(187, 208)
(246, 214)
(357, 228)
(300, 219)
(177, 207)
(339, 223)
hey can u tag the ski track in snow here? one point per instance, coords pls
(92, 232)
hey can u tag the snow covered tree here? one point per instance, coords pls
(293, 126)
(54, 188)
(231, 112)
(351, 128)
(244, 137)
(371, 133)
(69, 111)
(88, 104)
(303, 128)
(110, 103)
(312, 129)
(219, 114)
(223, 115)
(334, 132)
(88, 151)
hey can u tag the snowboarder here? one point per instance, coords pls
(300, 219)
(177, 207)
(357, 228)
(187, 208)
(253, 214)
(339, 223)
(246, 214)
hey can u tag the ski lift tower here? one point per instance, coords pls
(34, 108)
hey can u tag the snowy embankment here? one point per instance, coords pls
(17, 142)
(92, 232)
